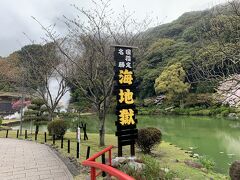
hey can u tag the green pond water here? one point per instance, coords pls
(217, 138)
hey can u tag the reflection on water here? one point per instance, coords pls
(235, 125)
(217, 138)
(231, 144)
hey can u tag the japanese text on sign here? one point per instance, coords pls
(125, 77)
(126, 96)
(126, 117)
(125, 110)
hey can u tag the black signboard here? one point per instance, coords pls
(124, 90)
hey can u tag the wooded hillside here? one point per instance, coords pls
(205, 43)
(193, 53)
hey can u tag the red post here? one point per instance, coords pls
(110, 157)
(93, 173)
(103, 167)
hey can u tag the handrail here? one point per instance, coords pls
(103, 167)
(108, 169)
(95, 156)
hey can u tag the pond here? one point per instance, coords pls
(217, 138)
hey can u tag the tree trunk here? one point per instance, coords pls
(181, 101)
(182, 105)
(50, 115)
(101, 117)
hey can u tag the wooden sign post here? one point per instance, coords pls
(124, 89)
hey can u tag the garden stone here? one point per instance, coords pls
(193, 164)
(133, 158)
(166, 170)
(118, 160)
(195, 155)
(176, 160)
(232, 116)
(136, 166)
(234, 170)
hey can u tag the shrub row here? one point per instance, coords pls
(195, 111)
(201, 111)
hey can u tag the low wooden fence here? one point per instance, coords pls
(53, 139)
(97, 168)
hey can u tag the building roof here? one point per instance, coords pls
(10, 94)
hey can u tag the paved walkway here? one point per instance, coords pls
(28, 160)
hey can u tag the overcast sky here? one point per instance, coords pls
(15, 15)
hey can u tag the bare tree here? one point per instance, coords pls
(87, 54)
(218, 60)
(219, 56)
(38, 63)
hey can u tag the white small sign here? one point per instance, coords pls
(78, 134)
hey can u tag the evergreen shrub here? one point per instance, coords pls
(57, 127)
(148, 138)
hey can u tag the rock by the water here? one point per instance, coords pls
(195, 155)
(193, 164)
(234, 170)
(232, 116)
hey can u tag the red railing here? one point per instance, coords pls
(104, 167)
